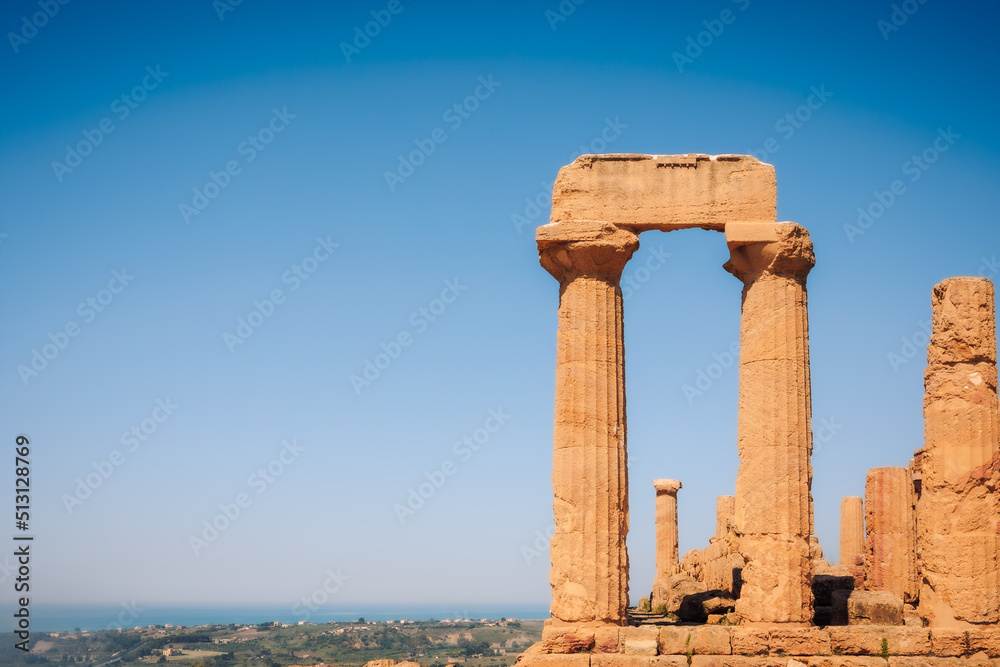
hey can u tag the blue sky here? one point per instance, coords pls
(288, 136)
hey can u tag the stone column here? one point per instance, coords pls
(725, 509)
(852, 537)
(959, 509)
(852, 530)
(589, 575)
(890, 563)
(773, 501)
(667, 557)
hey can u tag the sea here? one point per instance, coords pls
(66, 618)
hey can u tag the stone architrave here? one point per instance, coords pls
(957, 539)
(589, 575)
(774, 517)
(666, 192)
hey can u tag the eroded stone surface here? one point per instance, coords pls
(800, 641)
(890, 559)
(874, 608)
(678, 588)
(725, 510)
(643, 640)
(773, 499)
(589, 574)
(563, 638)
(642, 192)
(719, 565)
(959, 508)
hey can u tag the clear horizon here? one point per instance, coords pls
(275, 324)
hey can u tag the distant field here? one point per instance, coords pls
(193, 655)
(430, 643)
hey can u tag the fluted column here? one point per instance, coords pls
(589, 575)
(666, 530)
(957, 542)
(852, 536)
(852, 530)
(773, 501)
(725, 510)
(890, 564)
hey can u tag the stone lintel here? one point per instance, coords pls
(666, 192)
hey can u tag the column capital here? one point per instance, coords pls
(671, 486)
(588, 248)
(756, 249)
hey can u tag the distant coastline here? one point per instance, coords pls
(65, 618)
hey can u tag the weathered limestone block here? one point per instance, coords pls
(949, 642)
(720, 564)
(691, 564)
(852, 536)
(666, 533)
(843, 661)
(856, 640)
(749, 641)
(566, 638)
(698, 607)
(890, 561)
(719, 604)
(638, 661)
(589, 574)
(928, 661)
(642, 192)
(641, 640)
(703, 639)
(666, 661)
(773, 501)
(678, 588)
(727, 661)
(533, 659)
(738, 661)
(800, 641)
(674, 639)
(874, 608)
(608, 639)
(986, 640)
(907, 641)
(708, 639)
(959, 506)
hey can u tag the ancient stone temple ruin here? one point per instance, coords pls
(918, 582)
